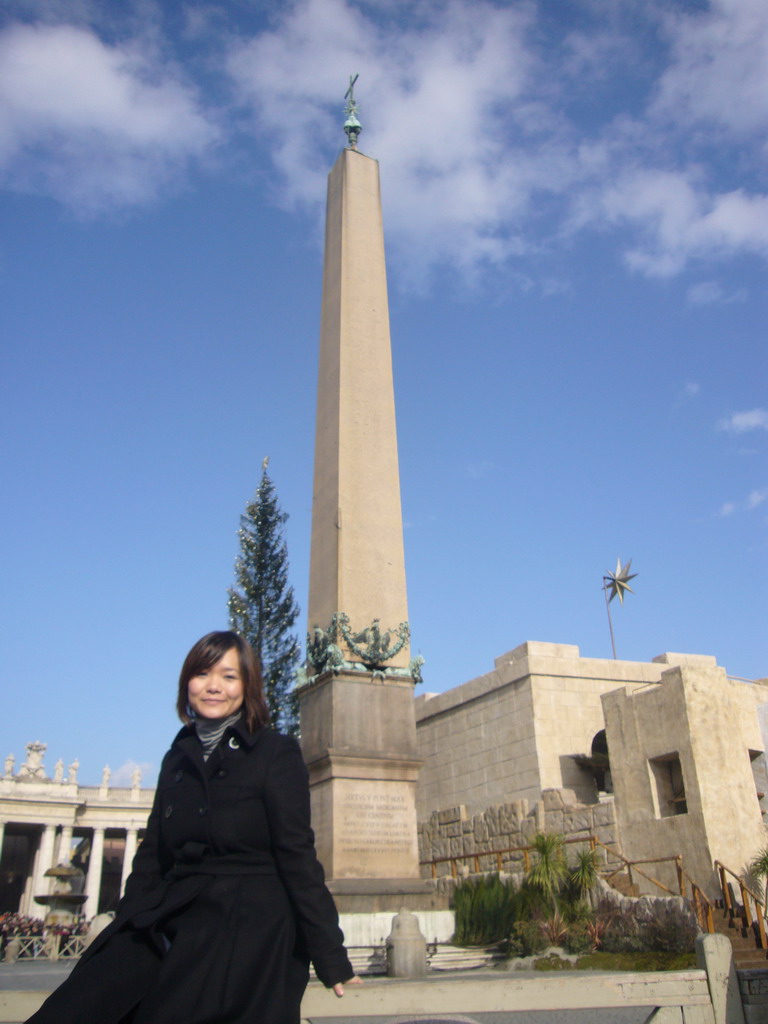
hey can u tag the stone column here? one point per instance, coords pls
(2, 839)
(93, 880)
(65, 843)
(131, 842)
(44, 860)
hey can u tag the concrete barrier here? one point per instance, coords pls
(685, 992)
(679, 997)
(714, 954)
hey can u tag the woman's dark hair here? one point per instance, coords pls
(206, 652)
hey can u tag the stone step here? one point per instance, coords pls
(443, 957)
(738, 934)
(750, 964)
(372, 960)
(622, 884)
(747, 954)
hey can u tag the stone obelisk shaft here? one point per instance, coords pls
(357, 562)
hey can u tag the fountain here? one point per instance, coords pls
(67, 898)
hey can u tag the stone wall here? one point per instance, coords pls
(682, 764)
(454, 833)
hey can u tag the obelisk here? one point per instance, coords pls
(358, 730)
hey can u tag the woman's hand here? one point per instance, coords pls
(338, 989)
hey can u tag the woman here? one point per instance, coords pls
(226, 903)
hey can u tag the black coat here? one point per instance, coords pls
(227, 874)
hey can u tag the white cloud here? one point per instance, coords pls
(123, 776)
(753, 501)
(679, 221)
(448, 87)
(689, 391)
(471, 126)
(740, 422)
(719, 71)
(704, 293)
(707, 293)
(94, 125)
(491, 148)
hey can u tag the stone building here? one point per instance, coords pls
(658, 759)
(54, 820)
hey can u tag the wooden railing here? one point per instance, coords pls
(752, 907)
(498, 855)
(630, 864)
(703, 907)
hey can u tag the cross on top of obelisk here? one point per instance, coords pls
(352, 126)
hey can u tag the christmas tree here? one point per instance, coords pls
(262, 606)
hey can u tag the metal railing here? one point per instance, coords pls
(48, 947)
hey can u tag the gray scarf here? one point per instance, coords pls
(210, 730)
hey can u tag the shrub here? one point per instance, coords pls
(670, 928)
(579, 938)
(525, 939)
(486, 909)
(530, 902)
(622, 933)
(576, 912)
(663, 927)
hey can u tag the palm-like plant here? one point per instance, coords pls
(555, 929)
(550, 870)
(596, 929)
(583, 874)
(758, 868)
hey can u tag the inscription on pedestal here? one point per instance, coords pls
(375, 823)
(374, 829)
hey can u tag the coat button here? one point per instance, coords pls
(202, 811)
(168, 811)
(179, 775)
(234, 743)
(221, 773)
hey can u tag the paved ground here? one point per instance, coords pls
(34, 975)
(42, 976)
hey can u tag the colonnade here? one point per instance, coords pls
(42, 817)
(54, 844)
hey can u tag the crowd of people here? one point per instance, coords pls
(24, 927)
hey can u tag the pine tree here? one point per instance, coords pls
(262, 606)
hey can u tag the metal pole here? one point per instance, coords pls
(608, 610)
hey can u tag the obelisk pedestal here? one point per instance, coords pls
(358, 740)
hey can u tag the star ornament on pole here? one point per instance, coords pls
(616, 584)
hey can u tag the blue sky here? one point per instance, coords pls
(576, 213)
